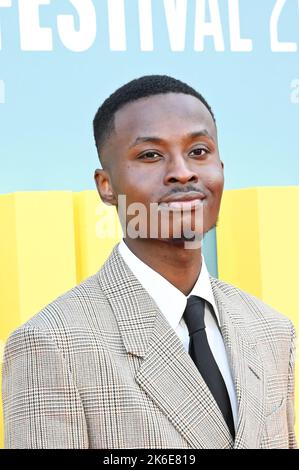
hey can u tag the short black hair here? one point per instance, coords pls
(142, 87)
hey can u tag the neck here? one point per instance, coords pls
(180, 266)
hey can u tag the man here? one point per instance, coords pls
(152, 351)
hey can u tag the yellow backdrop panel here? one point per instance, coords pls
(257, 248)
(37, 255)
(97, 230)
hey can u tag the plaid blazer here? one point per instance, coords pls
(100, 367)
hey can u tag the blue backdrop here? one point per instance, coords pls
(48, 98)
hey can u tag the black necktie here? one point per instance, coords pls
(201, 354)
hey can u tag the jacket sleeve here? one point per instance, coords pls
(41, 404)
(291, 391)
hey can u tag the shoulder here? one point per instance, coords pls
(72, 315)
(258, 316)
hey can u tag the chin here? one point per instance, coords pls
(185, 241)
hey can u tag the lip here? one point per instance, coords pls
(182, 200)
(191, 196)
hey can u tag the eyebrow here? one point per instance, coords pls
(158, 140)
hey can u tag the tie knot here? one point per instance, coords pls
(194, 314)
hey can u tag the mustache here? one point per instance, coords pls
(187, 189)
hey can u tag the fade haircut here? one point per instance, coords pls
(142, 87)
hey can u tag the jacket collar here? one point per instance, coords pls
(170, 300)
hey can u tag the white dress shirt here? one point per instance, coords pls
(172, 303)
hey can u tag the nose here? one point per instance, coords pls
(178, 170)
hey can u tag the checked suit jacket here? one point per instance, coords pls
(100, 367)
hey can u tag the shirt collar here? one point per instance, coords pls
(170, 300)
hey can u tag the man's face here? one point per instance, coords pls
(152, 155)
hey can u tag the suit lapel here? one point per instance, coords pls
(246, 368)
(167, 373)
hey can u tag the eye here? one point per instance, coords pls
(149, 155)
(203, 151)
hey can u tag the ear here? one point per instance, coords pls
(104, 187)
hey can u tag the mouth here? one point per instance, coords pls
(185, 201)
